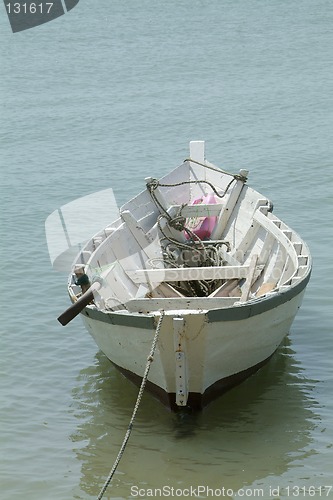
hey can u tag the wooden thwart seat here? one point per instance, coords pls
(155, 276)
(188, 274)
(199, 210)
(146, 305)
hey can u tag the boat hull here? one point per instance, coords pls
(218, 348)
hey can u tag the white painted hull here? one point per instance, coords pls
(218, 354)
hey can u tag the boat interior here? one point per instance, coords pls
(198, 238)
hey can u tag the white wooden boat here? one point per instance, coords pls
(204, 247)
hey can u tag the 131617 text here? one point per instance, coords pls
(29, 8)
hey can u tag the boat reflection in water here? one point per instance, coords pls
(256, 432)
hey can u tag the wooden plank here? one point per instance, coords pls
(251, 233)
(265, 288)
(225, 289)
(266, 248)
(199, 210)
(141, 237)
(124, 258)
(276, 263)
(187, 274)
(163, 290)
(287, 271)
(272, 228)
(109, 230)
(180, 361)
(114, 286)
(168, 290)
(149, 246)
(229, 258)
(85, 256)
(142, 291)
(197, 151)
(196, 303)
(247, 240)
(246, 288)
(227, 211)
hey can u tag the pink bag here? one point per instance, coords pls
(202, 226)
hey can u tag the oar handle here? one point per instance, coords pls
(80, 304)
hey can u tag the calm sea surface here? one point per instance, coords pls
(104, 96)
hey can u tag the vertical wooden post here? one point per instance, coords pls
(180, 359)
(197, 151)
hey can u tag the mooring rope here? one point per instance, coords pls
(136, 407)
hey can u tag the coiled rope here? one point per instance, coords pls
(208, 254)
(136, 407)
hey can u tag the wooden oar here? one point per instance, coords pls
(80, 304)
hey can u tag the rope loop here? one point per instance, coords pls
(152, 185)
(178, 223)
(240, 177)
